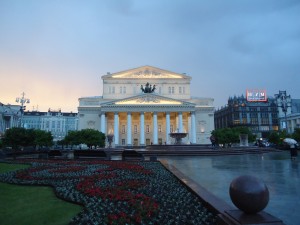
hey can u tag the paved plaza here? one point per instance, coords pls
(277, 170)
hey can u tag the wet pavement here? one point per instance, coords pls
(276, 170)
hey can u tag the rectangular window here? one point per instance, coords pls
(47, 124)
(147, 129)
(58, 124)
(124, 90)
(179, 90)
(53, 124)
(123, 129)
(135, 129)
(170, 90)
(173, 90)
(113, 90)
(159, 128)
(123, 141)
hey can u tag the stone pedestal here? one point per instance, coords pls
(237, 217)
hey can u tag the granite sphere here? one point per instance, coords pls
(249, 194)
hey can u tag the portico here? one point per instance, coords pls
(133, 123)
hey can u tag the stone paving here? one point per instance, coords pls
(276, 170)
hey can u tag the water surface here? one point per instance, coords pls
(276, 170)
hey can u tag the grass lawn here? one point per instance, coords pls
(22, 205)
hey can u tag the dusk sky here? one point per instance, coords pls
(57, 50)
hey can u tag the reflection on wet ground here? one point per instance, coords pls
(277, 170)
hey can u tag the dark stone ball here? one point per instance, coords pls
(249, 194)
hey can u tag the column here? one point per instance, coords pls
(180, 124)
(155, 137)
(194, 138)
(190, 128)
(11, 121)
(129, 143)
(168, 126)
(142, 129)
(102, 126)
(116, 129)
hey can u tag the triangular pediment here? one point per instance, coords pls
(146, 72)
(147, 99)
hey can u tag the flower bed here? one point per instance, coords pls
(117, 192)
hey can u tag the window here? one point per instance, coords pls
(135, 129)
(159, 128)
(171, 129)
(53, 124)
(264, 121)
(123, 141)
(120, 90)
(169, 90)
(147, 129)
(173, 90)
(123, 129)
(113, 90)
(47, 124)
(179, 90)
(124, 90)
(183, 90)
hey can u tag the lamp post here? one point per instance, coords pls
(22, 100)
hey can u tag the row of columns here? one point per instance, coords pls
(142, 127)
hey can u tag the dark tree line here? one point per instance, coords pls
(231, 135)
(18, 137)
(277, 137)
(89, 137)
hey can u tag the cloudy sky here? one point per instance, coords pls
(57, 50)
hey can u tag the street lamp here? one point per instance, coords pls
(23, 101)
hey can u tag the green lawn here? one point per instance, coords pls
(22, 205)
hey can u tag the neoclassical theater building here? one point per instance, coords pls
(142, 106)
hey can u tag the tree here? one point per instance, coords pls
(43, 138)
(72, 138)
(245, 130)
(92, 137)
(18, 137)
(274, 137)
(296, 134)
(15, 138)
(231, 135)
(89, 137)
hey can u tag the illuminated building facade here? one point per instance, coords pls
(260, 116)
(142, 106)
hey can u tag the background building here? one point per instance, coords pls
(289, 111)
(260, 116)
(10, 116)
(57, 122)
(139, 114)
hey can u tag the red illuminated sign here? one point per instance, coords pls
(256, 95)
